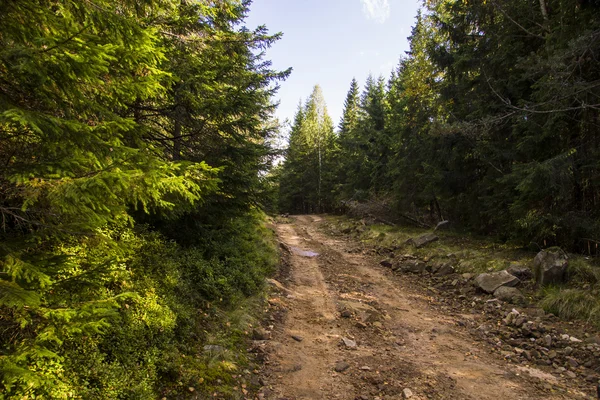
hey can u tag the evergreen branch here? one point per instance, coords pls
(67, 40)
(27, 221)
(84, 274)
(516, 23)
(558, 110)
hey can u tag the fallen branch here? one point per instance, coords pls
(415, 221)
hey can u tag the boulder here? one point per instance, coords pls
(550, 266)
(509, 294)
(520, 271)
(489, 282)
(423, 240)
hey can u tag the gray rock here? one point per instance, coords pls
(593, 340)
(445, 270)
(413, 266)
(423, 240)
(550, 266)
(489, 282)
(346, 314)
(297, 338)
(407, 393)
(520, 271)
(386, 263)
(509, 294)
(349, 343)
(260, 334)
(341, 366)
(548, 341)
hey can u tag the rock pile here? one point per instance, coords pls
(525, 336)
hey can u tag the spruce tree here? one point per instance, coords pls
(113, 114)
(309, 172)
(350, 116)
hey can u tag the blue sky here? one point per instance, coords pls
(328, 42)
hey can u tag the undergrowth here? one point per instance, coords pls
(157, 319)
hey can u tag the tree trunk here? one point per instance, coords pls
(544, 10)
(177, 141)
(176, 155)
(319, 188)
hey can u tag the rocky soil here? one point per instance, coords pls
(353, 322)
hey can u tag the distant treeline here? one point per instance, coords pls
(491, 120)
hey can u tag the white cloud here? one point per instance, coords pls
(377, 10)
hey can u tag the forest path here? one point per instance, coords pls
(394, 339)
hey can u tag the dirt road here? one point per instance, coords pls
(355, 330)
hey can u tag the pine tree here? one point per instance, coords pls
(350, 116)
(111, 114)
(348, 144)
(309, 170)
(293, 189)
(363, 141)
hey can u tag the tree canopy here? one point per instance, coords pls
(490, 120)
(119, 121)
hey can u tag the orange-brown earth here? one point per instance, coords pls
(350, 329)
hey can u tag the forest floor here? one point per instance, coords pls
(344, 327)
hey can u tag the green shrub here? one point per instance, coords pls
(127, 318)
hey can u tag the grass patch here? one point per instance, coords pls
(582, 270)
(570, 304)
